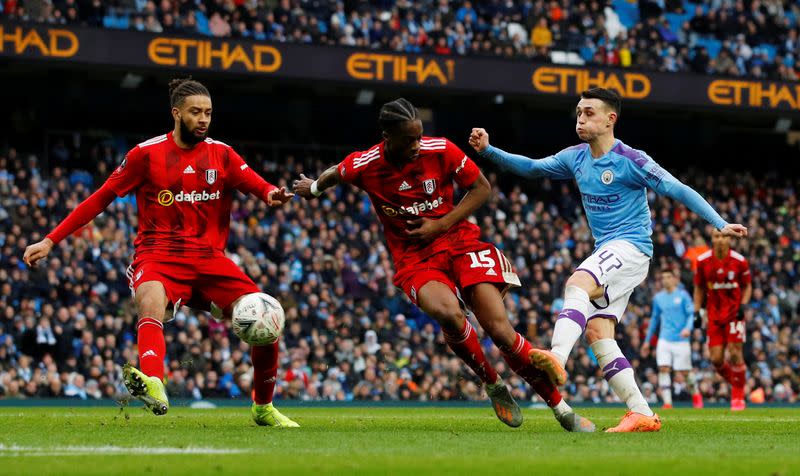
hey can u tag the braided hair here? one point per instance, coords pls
(180, 89)
(396, 112)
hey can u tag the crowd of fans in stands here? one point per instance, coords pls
(755, 38)
(68, 326)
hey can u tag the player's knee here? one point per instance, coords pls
(151, 300)
(585, 282)
(447, 313)
(717, 362)
(592, 335)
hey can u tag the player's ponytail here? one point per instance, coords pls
(395, 112)
(181, 88)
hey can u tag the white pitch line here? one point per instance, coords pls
(737, 419)
(110, 450)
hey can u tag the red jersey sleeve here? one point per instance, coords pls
(464, 171)
(351, 167)
(744, 273)
(129, 175)
(245, 179)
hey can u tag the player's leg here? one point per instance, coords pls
(682, 365)
(147, 384)
(486, 301)
(665, 385)
(716, 350)
(619, 374)
(580, 289)
(664, 358)
(224, 284)
(738, 374)
(436, 297)
(151, 304)
(616, 368)
(438, 300)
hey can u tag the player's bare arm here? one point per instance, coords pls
(429, 228)
(305, 188)
(747, 293)
(698, 297)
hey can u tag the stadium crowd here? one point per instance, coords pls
(754, 38)
(67, 326)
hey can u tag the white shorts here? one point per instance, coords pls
(677, 355)
(619, 267)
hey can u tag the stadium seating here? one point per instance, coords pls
(489, 28)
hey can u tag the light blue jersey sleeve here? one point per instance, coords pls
(655, 320)
(688, 309)
(557, 166)
(649, 174)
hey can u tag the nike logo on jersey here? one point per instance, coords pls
(404, 186)
(188, 170)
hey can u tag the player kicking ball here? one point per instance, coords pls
(723, 282)
(437, 252)
(612, 179)
(184, 183)
(673, 316)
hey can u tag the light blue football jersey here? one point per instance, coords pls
(613, 188)
(672, 313)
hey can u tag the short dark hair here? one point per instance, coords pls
(669, 269)
(395, 112)
(608, 96)
(181, 88)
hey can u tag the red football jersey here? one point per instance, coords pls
(183, 195)
(420, 188)
(723, 280)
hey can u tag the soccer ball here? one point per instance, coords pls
(258, 319)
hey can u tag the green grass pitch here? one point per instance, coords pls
(369, 440)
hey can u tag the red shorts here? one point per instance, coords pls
(725, 332)
(197, 283)
(474, 263)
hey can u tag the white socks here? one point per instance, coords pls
(665, 384)
(571, 322)
(561, 408)
(619, 374)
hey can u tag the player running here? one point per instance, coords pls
(184, 183)
(723, 281)
(612, 179)
(673, 316)
(437, 252)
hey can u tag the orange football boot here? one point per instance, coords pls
(636, 423)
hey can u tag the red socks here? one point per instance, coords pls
(725, 371)
(151, 347)
(736, 376)
(519, 361)
(265, 372)
(467, 346)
